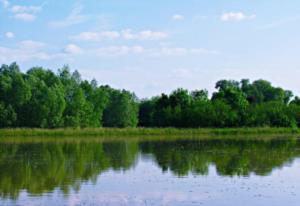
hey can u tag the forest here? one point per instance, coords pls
(40, 98)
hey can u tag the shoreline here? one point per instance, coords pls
(143, 132)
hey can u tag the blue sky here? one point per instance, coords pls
(155, 46)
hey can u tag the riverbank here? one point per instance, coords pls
(142, 132)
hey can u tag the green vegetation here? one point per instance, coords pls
(40, 98)
(234, 104)
(142, 133)
(44, 167)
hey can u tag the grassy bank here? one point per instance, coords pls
(142, 132)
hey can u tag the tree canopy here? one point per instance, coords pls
(41, 98)
(234, 104)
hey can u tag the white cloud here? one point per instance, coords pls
(124, 34)
(175, 51)
(157, 52)
(5, 3)
(143, 35)
(75, 17)
(25, 9)
(151, 35)
(178, 17)
(25, 17)
(31, 45)
(26, 51)
(127, 34)
(180, 51)
(236, 16)
(96, 36)
(9, 55)
(72, 49)
(23, 13)
(119, 50)
(9, 35)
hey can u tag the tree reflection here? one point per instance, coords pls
(43, 167)
(230, 157)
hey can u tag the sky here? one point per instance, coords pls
(155, 46)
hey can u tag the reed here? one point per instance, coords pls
(142, 132)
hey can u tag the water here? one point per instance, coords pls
(182, 172)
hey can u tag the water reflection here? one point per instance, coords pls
(230, 157)
(43, 167)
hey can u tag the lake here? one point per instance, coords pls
(163, 172)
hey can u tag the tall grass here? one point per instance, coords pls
(141, 132)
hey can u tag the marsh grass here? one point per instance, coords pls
(145, 132)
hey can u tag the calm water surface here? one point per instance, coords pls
(182, 172)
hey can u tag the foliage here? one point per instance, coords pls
(234, 104)
(40, 98)
(119, 109)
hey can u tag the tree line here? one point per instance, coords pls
(43, 99)
(234, 104)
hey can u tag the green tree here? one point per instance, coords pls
(262, 91)
(8, 116)
(97, 98)
(122, 110)
(14, 93)
(146, 112)
(46, 104)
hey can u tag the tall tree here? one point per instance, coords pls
(122, 110)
